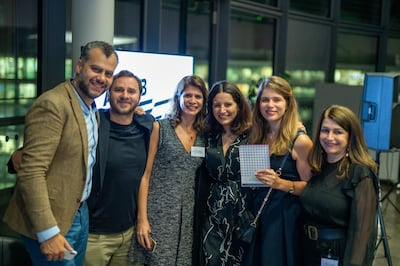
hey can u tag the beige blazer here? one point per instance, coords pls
(53, 170)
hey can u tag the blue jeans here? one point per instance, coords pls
(76, 236)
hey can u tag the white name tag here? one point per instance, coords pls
(197, 151)
(329, 262)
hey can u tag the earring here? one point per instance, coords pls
(347, 152)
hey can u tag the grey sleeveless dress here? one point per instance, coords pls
(170, 202)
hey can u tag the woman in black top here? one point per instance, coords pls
(276, 124)
(340, 201)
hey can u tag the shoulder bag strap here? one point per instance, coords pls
(279, 172)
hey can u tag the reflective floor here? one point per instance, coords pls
(390, 206)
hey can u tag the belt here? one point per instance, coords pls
(315, 233)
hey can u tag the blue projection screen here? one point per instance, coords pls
(160, 73)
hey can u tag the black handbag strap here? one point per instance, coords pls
(279, 172)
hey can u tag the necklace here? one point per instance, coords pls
(189, 133)
(271, 136)
(186, 137)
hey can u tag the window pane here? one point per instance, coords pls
(308, 46)
(395, 14)
(18, 56)
(127, 24)
(198, 36)
(250, 50)
(313, 7)
(303, 83)
(170, 27)
(307, 57)
(10, 140)
(268, 2)
(361, 11)
(393, 55)
(356, 54)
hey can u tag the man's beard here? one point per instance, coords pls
(85, 90)
(124, 112)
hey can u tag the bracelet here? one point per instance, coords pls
(291, 190)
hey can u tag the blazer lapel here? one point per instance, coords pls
(78, 113)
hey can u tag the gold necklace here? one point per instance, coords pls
(191, 134)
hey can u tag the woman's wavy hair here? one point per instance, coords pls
(290, 119)
(242, 122)
(357, 151)
(176, 111)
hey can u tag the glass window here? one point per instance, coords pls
(18, 75)
(395, 14)
(198, 36)
(268, 2)
(10, 141)
(127, 24)
(170, 27)
(313, 7)
(308, 46)
(18, 56)
(393, 55)
(251, 42)
(356, 54)
(307, 57)
(361, 11)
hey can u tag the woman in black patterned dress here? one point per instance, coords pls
(229, 120)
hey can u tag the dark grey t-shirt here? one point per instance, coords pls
(116, 205)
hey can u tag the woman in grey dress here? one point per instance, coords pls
(166, 210)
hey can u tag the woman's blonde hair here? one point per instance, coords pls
(290, 119)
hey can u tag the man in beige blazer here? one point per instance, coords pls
(54, 179)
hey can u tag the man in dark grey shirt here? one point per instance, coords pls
(124, 138)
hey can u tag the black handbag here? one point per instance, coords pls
(245, 229)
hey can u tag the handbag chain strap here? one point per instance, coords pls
(279, 172)
(254, 222)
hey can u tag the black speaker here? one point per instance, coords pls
(380, 110)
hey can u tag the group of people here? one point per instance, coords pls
(123, 189)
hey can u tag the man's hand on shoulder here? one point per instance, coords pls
(139, 111)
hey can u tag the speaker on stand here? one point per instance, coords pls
(379, 109)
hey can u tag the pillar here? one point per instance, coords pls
(92, 20)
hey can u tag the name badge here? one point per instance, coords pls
(329, 261)
(197, 151)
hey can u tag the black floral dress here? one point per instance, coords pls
(226, 199)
